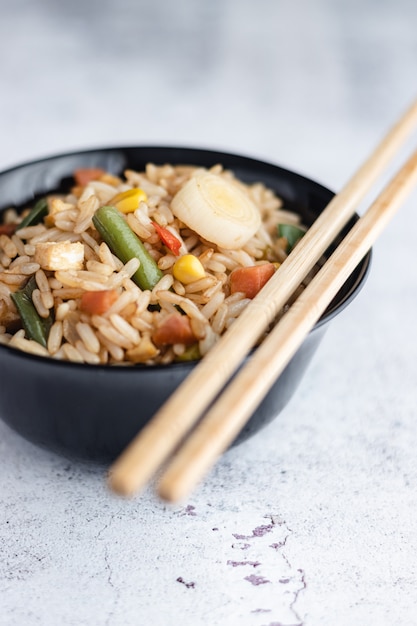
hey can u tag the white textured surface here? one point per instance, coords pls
(313, 521)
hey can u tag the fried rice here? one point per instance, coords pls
(127, 330)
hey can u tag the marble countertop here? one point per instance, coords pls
(312, 522)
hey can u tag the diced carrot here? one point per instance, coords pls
(175, 328)
(98, 302)
(7, 229)
(84, 175)
(171, 241)
(250, 280)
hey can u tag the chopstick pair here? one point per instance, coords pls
(218, 428)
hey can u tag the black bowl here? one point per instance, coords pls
(92, 412)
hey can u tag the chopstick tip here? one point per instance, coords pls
(119, 484)
(170, 492)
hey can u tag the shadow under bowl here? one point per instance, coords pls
(92, 412)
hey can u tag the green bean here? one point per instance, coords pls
(36, 327)
(291, 233)
(35, 215)
(192, 353)
(123, 242)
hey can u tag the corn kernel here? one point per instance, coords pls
(187, 269)
(128, 201)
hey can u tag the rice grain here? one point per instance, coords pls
(88, 337)
(125, 328)
(38, 304)
(55, 337)
(8, 246)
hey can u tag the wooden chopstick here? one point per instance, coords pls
(161, 436)
(229, 414)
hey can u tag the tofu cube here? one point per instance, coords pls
(62, 255)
